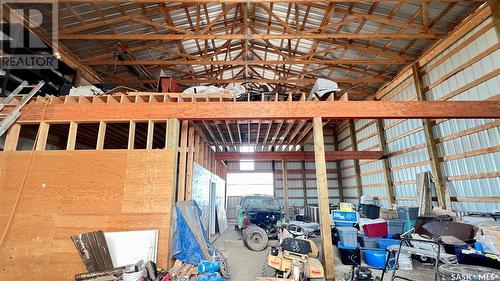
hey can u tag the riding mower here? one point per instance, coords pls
(295, 258)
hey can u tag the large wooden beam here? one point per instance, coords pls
(251, 62)
(437, 176)
(323, 198)
(297, 155)
(306, 81)
(357, 171)
(254, 1)
(260, 110)
(289, 36)
(387, 167)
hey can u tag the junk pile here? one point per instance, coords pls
(396, 238)
(112, 256)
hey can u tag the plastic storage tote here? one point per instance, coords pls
(375, 229)
(348, 236)
(384, 243)
(370, 211)
(349, 255)
(407, 225)
(344, 216)
(407, 212)
(368, 242)
(395, 226)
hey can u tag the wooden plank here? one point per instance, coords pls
(101, 135)
(131, 135)
(285, 188)
(261, 110)
(41, 139)
(12, 137)
(431, 145)
(73, 128)
(150, 135)
(324, 203)
(387, 166)
(337, 163)
(181, 181)
(297, 155)
(354, 144)
(190, 163)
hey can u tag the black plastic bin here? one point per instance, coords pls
(370, 211)
(349, 255)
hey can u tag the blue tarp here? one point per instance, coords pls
(190, 241)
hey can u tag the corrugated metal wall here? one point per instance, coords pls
(468, 150)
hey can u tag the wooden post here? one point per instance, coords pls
(337, 164)
(304, 181)
(73, 129)
(41, 140)
(181, 182)
(323, 198)
(495, 14)
(357, 173)
(172, 143)
(101, 135)
(149, 136)
(284, 174)
(12, 137)
(431, 145)
(190, 164)
(131, 135)
(387, 169)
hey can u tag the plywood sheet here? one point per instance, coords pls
(71, 192)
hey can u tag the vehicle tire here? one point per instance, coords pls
(255, 238)
(268, 271)
(448, 272)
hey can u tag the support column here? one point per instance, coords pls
(337, 164)
(131, 135)
(323, 198)
(73, 129)
(41, 140)
(101, 135)
(389, 191)
(354, 144)
(304, 181)
(190, 164)
(12, 137)
(431, 144)
(172, 143)
(284, 174)
(149, 136)
(181, 182)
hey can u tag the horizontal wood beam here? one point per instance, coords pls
(297, 155)
(260, 110)
(176, 37)
(307, 81)
(248, 62)
(259, 1)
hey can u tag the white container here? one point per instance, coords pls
(476, 219)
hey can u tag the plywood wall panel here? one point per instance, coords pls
(70, 192)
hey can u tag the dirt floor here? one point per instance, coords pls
(246, 265)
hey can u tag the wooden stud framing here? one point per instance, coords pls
(285, 187)
(181, 182)
(41, 139)
(149, 137)
(131, 135)
(323, 200)
(430, 144)
(173, 143)
(354, 144)
(190, 163)
(73, 128)
(387, 171)
(12, 137)
(101, 135)
(339, 170)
